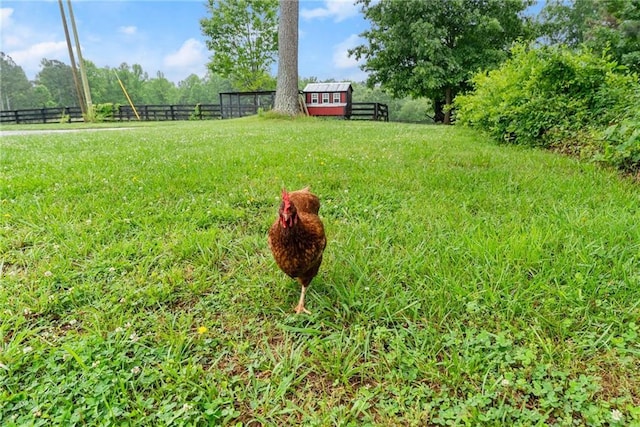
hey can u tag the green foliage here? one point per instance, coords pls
(610, 26)
(194, 89)
(19, 93)
(58, 78)
(553, 97)
(400, 109)
(430, 49)
(159, 91)
(105, 112)
(243, 38)
(618, 32)
(134, 79)
(568, 23)
(41, 97)
(621, 146)
(15, 89)
(464, 283)
(196, 114)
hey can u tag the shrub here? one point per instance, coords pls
(196, 114)
(621, 143)
(555, 97)
(105, 112)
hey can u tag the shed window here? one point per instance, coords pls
(314, 98)
(336, 97)
(325, 98)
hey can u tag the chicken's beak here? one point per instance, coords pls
(285, 219)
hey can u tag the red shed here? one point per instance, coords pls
(329, 99)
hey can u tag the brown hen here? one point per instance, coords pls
(297, 239)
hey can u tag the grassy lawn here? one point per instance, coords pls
(463, 282)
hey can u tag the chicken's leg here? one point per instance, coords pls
(300, 307)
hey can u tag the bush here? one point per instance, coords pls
(553, 97)
(196, 114)
(621, 142)
(105, 112)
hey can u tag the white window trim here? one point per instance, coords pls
(314, 98)
(336, 98)
(325, 98)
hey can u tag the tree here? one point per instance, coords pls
(191, 90)
(397, 109)
(617, 32)
(57, 77)
(159, 91)
(243, 38)
(287, 87)
(14, 85)
(608, 26)
(567, 23)
(133, 79)
(103, 84)
(430, 49)
(41, 97)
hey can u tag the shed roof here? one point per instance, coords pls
(327, 87)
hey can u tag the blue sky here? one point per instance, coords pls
(165, 35)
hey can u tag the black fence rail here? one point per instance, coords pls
(120, 113)
(42, 115)
(166, 112)
(369, 111)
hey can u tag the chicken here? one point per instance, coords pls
(297, 239)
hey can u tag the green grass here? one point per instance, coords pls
(464, 283)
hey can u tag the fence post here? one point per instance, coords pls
(17, 117)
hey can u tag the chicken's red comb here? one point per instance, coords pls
(285, 199)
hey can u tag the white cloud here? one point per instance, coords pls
(13, 36)
(129, 31)
(339, 10)
(189, 59)
(26, 46)
(341, 58)
(5, 16)
(191, 52)
(29, 58)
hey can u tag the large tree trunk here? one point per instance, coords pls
(287, 86)
(448, 100)
(442, 107)
(438, 110)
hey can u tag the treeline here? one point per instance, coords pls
(54, 87)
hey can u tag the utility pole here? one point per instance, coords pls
(74, 69)
(83, 74)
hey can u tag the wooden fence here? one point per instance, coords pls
(359, 111)
(42, 115)
(167, 112)
(369, 111)
(121, 113)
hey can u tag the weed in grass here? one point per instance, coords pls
(463, 283)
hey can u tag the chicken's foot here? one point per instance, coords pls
(300, 307)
